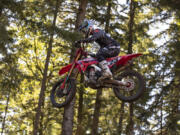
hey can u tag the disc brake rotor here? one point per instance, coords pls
(130, 86)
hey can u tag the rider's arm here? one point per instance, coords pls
(96, 34)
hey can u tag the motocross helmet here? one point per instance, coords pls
(86, 27)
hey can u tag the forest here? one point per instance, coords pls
(36, 41)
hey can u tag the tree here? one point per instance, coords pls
(67, 125)
(99, 91)
(43, 84)
(25, 29)
(130, 126)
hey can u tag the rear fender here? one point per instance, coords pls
(126, 58)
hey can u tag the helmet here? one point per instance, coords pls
(86, 26)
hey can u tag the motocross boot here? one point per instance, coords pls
(106, 72)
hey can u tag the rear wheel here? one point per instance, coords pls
(135, 88)
(61, 97)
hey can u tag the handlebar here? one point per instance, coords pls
(78, 45)
(81, 45)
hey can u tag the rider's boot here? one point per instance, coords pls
(106, 73)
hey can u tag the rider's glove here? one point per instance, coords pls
(77, 43)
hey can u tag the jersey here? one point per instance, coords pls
(102, 38)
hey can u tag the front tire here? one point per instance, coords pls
(130, 94)
(58, 98)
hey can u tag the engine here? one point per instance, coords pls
(92, 75)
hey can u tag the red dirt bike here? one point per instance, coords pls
(128, 85)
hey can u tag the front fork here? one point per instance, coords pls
(63, 86)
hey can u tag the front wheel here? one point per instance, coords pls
(135, 88)
(61, 97)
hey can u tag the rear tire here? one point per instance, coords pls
(58, 98)
(136, 92)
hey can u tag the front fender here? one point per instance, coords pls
(68, 67)
(65, 69)
(81, 65)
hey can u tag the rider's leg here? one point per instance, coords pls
(106, 71)
(101, 56)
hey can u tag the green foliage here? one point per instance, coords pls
(25, 28)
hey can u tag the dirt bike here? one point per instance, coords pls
(128, 85)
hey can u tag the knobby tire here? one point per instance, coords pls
(70, 94)
(140, 90)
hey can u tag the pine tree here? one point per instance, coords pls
(67, 125)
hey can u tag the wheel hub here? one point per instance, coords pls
(130, 85)
(62, 92)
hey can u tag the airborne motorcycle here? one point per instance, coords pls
(128, 85)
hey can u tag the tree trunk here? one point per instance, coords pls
(81, 12)
(43, 84)
(130, 126)
(1, 9)
(121, 119)
(80, 17)
(96, 112)
(108, 16)
(6, 109)
(99, 91)
(67, 125)
(80, 108)
(131, 24)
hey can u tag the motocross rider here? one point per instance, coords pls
(108, 46)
